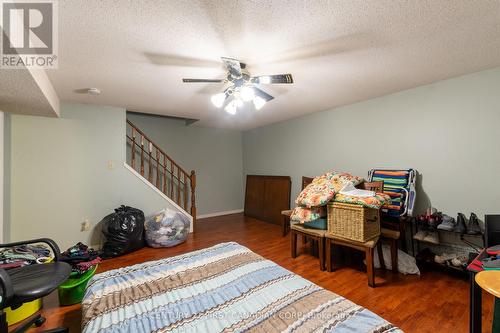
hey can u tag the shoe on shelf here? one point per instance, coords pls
(420, 235)
(473, 225)
(448, 223)
(461, 224)
(432, 237)
(443, 258)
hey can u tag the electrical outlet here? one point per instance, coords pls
(111, 165)
(85, 225)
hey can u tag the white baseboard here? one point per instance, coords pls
(227, 212)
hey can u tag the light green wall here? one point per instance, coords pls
(60, 174)
(215, 154)
(449, 131)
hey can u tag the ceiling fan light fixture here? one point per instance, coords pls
(218, 99)
(259, 102)
(238, 102)
(231, 107)
(247, 93)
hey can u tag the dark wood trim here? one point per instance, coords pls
(266, 196)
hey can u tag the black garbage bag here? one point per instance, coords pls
(124, 231)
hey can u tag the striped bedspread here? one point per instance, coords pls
(224, 288)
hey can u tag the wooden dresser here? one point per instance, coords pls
(267, 196)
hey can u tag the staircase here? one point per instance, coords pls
(161, 171)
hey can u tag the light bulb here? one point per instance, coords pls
(238, 102)
(218, 99)
(231, 107)
(265, 79)
(247, 93)
(259, 102)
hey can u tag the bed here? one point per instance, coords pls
(224, 288)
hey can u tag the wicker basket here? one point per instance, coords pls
(353, 222)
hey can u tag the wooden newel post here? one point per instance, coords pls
(193, 197)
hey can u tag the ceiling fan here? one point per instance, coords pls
(243, 87)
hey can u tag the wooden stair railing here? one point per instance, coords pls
(162, 171)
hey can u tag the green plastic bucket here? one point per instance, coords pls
(73, 289)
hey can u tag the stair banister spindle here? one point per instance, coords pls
(157, 168)
(142, 155)
(193, 198)
(150, 171)
(171, 179)
(178, 186)
(185, 193)
(133, 148)
(164, 174)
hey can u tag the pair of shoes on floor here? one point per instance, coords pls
(460, 261)
(430, 236)
(451, 259)
(470, 227)
(443, 258)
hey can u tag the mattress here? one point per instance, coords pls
(224, 288)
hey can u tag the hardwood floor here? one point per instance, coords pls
(433, 302)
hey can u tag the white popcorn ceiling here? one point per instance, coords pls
(338, 52)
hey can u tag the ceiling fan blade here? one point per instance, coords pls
(274, 79)
(202, 80)
(233, 66)
(263, 94)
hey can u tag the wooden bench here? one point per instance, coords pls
(317, 236)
